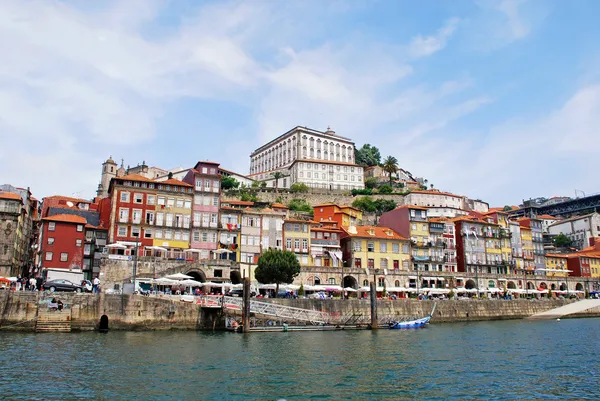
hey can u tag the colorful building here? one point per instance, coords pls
(344, 216)
(62, 241)
(296, 235)
(379, 250)
(556, 265)
(206, 180)
(325, 244)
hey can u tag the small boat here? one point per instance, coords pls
(412, 324)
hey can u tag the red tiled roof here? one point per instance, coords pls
(134, 177)
(547, 217)
(435, 192)
(173, 181)
(378, 232)
(238, 202)
(412, 207)
(11, 196)
(66, 218)
(279, 206)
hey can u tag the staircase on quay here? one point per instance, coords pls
(576, 307)
(49, 320)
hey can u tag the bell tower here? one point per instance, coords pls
(109, 171)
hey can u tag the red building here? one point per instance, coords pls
(62, 241)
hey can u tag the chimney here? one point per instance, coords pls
(170, 175)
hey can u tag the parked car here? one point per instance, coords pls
(62, 285)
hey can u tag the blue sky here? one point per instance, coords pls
(497, 100)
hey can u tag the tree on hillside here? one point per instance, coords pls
(277, 176)
(299, 187)
(229, 183)
(385, 189)
(368, 155)
(365, 203)
(384, 205)
(507, 208)
(276, 266)
(562, 241)
(390, 166)
(300, 205)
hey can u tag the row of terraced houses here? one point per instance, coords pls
(435, 239)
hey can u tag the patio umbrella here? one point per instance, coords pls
(165, 281)
(178, 276)
(191, 283)
(350, 289)
(117, 246)
(4, 280)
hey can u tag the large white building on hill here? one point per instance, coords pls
(318, 159)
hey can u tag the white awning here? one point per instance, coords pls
(412, 277)
(459, 278)
(441, 278)
(116, 246)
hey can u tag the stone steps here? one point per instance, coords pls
(53, 321)
(56, 327)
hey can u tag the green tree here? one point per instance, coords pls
(371, 183)
(256, 184)
(390, 166)
(301, 291)
(368, 155)
(300, 205)
(507, 208)
(277, 266)
(249, 197)
(365, 203)
(386, 189)
(562, 241)
(299, 187)
(277, 176)
(384, 205)
(229, 183)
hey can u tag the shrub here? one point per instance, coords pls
(385, 189)
(299, 187)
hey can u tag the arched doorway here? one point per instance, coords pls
(470, 284)
(511, 285)
(351, 282)
(543, 286)
(491, 284)
(563, 287)
(553, 286)
(235, 277)
(197, 275)
(530, 285)
(579, 287)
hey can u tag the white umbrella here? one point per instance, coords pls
(222, 251)
(364, 289)
(267, 286)
(178, 276)
(191, 283)
(291, 287)
(116, 245)
(350, 289)
(192, 250)
(164, 281)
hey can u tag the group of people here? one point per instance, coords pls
(27, 283)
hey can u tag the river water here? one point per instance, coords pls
(504, 360)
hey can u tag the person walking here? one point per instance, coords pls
(96, 286)
(32, 283)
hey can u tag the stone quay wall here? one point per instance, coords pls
(19, 309)
(446, 311)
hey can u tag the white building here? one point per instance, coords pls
(438, 203)
(318, 159)
(242, 179)
(579, 229)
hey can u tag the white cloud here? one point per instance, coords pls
(422, 46)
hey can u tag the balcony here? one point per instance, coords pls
(327, 242)
(420, 244)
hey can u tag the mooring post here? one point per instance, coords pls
(246, 305)
(373, 296)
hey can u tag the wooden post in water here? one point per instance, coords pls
(246, 305)
(373, 295)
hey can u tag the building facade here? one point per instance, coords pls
(62, 241)
(581, 229)
(317, 159)
(206, 179)
(344, 216)
(11, 217)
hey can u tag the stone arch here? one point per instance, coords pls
(235, 277)
(381, 281)
(310, 280)
(511, 285)
(365, 283)
(197, 275)
(563, 287)
(553, 286)
(491, 284)
(397, 283)
(578, 287)
(470, 284)
(350, 281)
(530, 286)
(543, 286)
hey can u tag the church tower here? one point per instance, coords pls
(109, 171)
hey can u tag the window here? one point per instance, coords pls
(135, 232)
(159, 219)
(49, 256)
(381, 282)
(404, 248)
(304, 244)
(123, 215)
(177, 235)
(370, 247)
(199, 184)
(158, 234)
(137, 216)
(207, 185)
(332, 280)
(161, 200)
(138, 198)
(50, 240)
(179, 202)
(122, 231)
(396, 248)
(150, 199)
(371, 263)
(64, 256)
(357, 263)
(196, 236)
(215, 201)
(169, 220)
(124, 196)
(296, 243)
(170, 202)
(51, 226)
(150, 218)
(382, 247)
(396, 266)
(288, 243)
(187, 204)
(78, 242)
(185, 236)
(148, 233)
(79, 227)
(168, 234)
(383, 263)
(204, 236)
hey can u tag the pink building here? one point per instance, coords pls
(206, 180)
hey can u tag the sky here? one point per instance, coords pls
(498, 100)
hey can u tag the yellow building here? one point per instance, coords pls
(527, 243)
(344, 216)
(378, 248)
(174, 214)
(556, 265)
